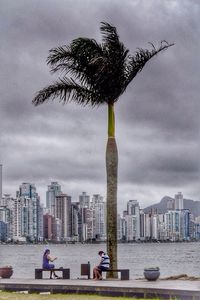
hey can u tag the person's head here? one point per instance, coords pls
(101, 252)
(46, 252)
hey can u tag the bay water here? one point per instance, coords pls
(171, 258)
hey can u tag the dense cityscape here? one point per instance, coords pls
(25, 219)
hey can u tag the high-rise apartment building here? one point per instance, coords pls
(40, 212)
(6, 201)
(179, 201)
(98, 207)
(27, 214)
(75, 221)
(133, 207)
(63, 212)
(89, 224)
(84, 200)
(142, 225)
(161, 219)
(170, 204)
(5, 220)
(48, 224)
(83, 217)
(177, 225)
(119, 228)
(0, 182)
(133, 220)
(7, 204)
(185, 224)
(54, 189)
(155, 227)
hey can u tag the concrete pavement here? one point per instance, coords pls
(140, 288)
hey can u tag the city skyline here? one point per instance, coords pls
(43, 198)
(50, 194)
(24, 219)
(157, 118)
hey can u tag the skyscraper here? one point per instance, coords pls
(63, 212)
(27, 213)
(133, 207)
(133, 220)
(0, 182)
(84, 200)
(179, 201)
(98, 207)
(54, 189)
(84, 204)
(75, 221)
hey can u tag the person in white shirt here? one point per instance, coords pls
(104, 265)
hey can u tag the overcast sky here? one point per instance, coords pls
(157, 118)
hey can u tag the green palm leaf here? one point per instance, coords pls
(138, 61)
(105, 70)
(67, 90)
(76, 59)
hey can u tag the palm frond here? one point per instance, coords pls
(67, 90)
(58, 55)
(110, 66)
(142, 56)
(76, 59)
(94, 73)
(111, 43)
(109, 33)
(80, 49)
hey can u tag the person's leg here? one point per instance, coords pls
(99, 273)
(51, 272)
(55, 275)
(95, 273)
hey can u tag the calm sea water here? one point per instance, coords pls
(172, 258)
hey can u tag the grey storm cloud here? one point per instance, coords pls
(157, 118)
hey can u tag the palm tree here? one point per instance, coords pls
(95, 74)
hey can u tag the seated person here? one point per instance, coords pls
(46, 265)
(104, 265)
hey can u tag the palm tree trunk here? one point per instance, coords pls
(111, 168)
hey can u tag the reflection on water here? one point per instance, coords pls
(172, 258)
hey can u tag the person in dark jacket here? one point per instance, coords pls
(104, 265)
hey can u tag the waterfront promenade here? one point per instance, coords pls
(164, 289)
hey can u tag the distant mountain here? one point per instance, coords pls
(161, 207)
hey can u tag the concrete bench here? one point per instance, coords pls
(65, 272)
(85, 270)
(124, 273)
